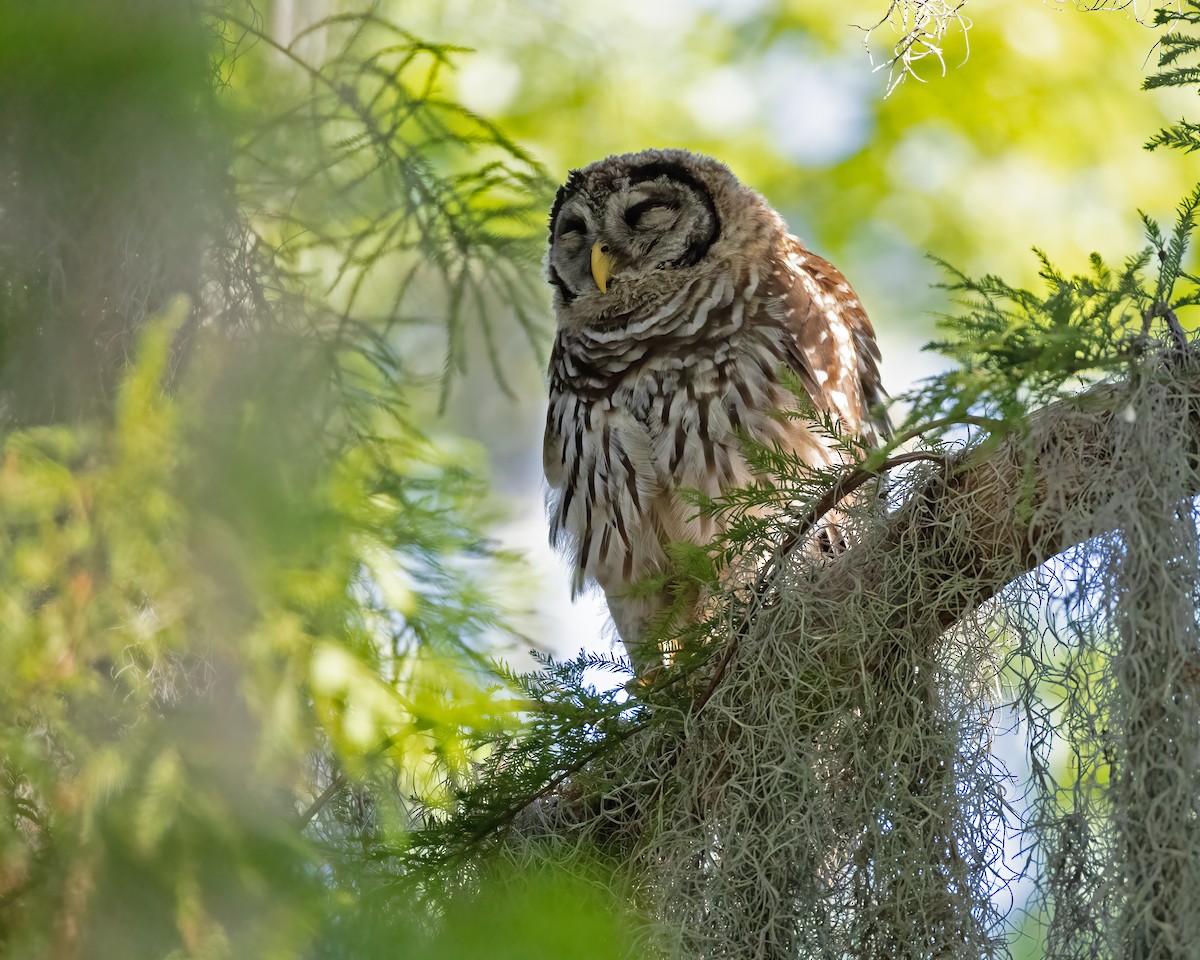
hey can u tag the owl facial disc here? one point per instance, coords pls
(641, 219)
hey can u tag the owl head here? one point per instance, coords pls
(628, 231)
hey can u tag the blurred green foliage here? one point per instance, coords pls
(1032, 138)
(246, 583)
(235, 573)
(1015, 146)
(97, 102)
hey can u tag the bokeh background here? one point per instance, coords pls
(254, 471)
(1027, 130)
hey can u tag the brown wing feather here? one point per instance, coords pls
(837, 357)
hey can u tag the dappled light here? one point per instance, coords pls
(290, 669)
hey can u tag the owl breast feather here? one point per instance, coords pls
(635, 418)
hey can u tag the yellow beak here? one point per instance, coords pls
(602, 264)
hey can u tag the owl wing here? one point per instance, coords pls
(836, 356)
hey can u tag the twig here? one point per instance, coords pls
(335, 785)
(508, 815)
(844, 486)
(338, 782)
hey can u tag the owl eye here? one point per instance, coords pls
(572, 225)
(637, 216)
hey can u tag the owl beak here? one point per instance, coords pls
(602, 265)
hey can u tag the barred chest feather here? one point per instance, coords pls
(658, 403)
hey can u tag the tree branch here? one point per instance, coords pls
(981, 521)
(971, 526)
(996, 512)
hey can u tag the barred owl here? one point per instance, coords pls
(681, 300)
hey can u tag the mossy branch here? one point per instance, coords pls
(968, 517)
